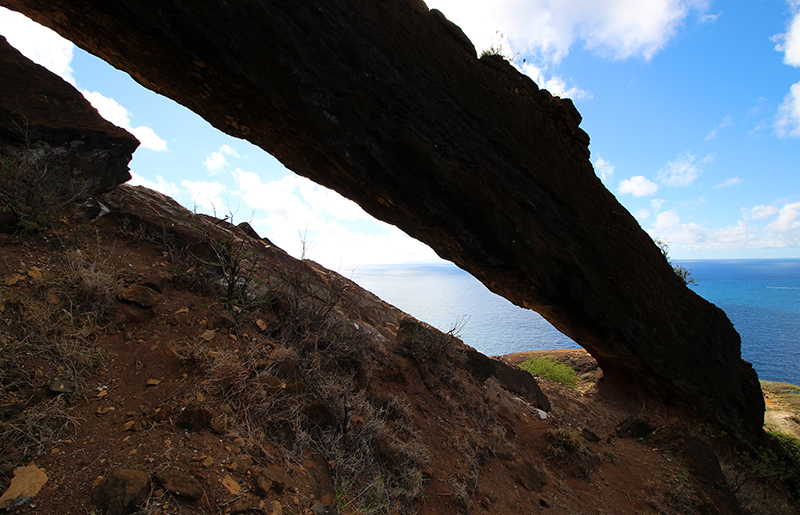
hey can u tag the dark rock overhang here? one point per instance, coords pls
(39, 108)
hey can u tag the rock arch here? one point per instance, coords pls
(387, 103)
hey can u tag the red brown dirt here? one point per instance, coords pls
(482, 444)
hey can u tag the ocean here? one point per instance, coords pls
(760, 296)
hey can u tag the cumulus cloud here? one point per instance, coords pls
(293, 205)
(112, 111)
(787, 220)
(207, 196)
(760, 212)
(760, 227)
(683, 171)
(657, 204)
(216, 161)
(617, 29)
(638, 186)
(555, 84)
(726, 122)
(162, 186)
(603, 169)
(39, 44)
(733, 181)
(788, 120)
(789, 42)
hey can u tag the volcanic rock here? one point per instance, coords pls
(180, 483)
(121, 492)
(387, 103)
(38, 107)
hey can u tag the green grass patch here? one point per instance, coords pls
(551, 369)
(785, 394)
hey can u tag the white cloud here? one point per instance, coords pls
(603, 169)
(206, 195)
(39, 44)
(617, 29)
(657, 204)
(709, 18)
(638, 186)
(760, 227)
(330, 202)
(760, 212)
(226, 149)
(683, 171)
(726, 122)
(295, 205)
(555, 85)
(112, 111)
(733, 181)
(642, 215)
(788, 121)
(215, 162)
(787, 220)
(789, 42)
(167, 188)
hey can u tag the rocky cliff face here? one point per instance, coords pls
(387, 103)
(39, 109)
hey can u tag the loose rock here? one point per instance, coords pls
(121, 492)
(26, 484)
(180, 483)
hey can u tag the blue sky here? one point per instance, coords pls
(693, 108)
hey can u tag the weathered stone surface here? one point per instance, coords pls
(141, 295)
(180, 483)
(530, 476)
(121, 492)
(512, 379)
(37, 106)
(387, 103)
(26, 484)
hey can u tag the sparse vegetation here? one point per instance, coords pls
(682, 272)
(290, 379)
(671, 492)
(568, 448)
(551, 369)
(34, 189)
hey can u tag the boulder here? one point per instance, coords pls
(121, 492)
(387, 103)
(40, 110)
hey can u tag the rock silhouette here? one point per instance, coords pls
(387, 103)
(38, 108)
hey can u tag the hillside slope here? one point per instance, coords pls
(167, 362)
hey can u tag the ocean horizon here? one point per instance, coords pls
(760, 296)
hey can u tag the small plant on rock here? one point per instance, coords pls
(682, 272)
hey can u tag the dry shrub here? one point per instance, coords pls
(35, 185)
(567, 447)
(309, 394)
(41, 425)
(670, 491)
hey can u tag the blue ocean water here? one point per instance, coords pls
(761, 297)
